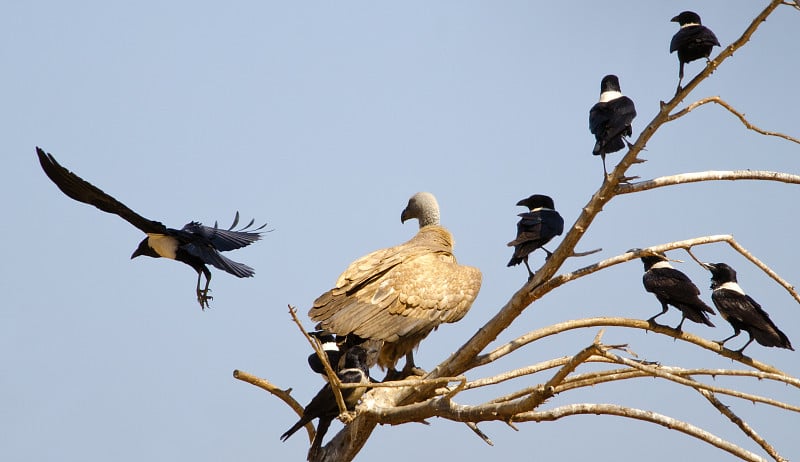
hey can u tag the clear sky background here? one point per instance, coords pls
(322, 119)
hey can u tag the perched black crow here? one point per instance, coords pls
(323, 405)
(671, 287)
(693, 41)
(194, 244)
(535, 228)
(741, 311)
(610, 119)
(331, 349)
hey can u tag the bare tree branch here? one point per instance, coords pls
(280, 393)
(711, 175)
(619, 322)
(739, 115)
(632, 413)
(658, 372)
(746, 429)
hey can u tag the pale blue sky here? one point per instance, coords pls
(322, 119)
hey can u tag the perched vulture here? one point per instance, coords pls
(400, 294)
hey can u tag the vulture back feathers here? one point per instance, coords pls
(400, 294)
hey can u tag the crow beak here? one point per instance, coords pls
(708, 266)
(675, 19)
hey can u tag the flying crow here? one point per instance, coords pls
(323, 405)
(671, 287)
(331, 349)
(741, 311)
(194, 244)
(693, 41)
(535, 228)
(610, 119)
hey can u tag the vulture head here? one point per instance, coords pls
(423, 207)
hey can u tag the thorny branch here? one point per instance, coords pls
(743, 426)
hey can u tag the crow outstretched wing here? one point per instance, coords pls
(82, 191)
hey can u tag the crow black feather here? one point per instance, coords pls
(693, 41)
(535, 228)
(672, 287)
(195, 245)
(741, 311)
(610, 119)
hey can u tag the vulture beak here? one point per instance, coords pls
(406, 215)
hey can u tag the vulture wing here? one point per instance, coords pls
(401, 291)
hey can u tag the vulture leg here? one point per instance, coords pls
(410, 369)
(391, 375)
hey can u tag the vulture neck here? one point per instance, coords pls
(429, 217)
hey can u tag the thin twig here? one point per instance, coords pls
(280, 393)
(474, 427)
(657, 372)
(743, 426)
(333, 378)
(739, 115)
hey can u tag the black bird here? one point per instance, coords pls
(610, 119)
(741, 311)
(323, 405)
(535, 229)
(672, 287)
(693, 41)
(331, 349)
(194, 244)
